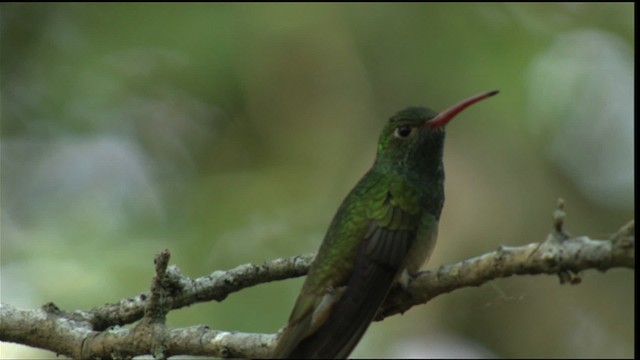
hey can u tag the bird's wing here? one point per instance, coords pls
(331, 326)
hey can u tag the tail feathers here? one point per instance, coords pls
(348, 323)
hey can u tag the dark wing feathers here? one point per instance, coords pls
(387, 247)
(379, 259)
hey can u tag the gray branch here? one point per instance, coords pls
(96, 333)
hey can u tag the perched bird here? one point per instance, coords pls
(386, 227)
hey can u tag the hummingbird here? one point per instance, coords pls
(382, 233)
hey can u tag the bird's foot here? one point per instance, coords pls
(405, 280)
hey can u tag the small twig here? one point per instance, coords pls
(558, 221)
(153, 323)
(156, 310)
(624, 233)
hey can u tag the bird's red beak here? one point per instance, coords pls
(444, 117)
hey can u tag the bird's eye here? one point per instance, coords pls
(403, 131)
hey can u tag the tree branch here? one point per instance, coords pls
(564, 257)
(185, 292)
(96, 333)
(48, 330)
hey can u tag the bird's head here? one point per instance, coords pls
(413, 138)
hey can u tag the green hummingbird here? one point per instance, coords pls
(383, 232)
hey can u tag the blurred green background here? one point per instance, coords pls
(230, 133)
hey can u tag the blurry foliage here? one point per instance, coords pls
(230, 133)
